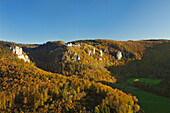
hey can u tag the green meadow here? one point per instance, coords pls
(147, 80)
(148, 102)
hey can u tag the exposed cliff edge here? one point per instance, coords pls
(19, 52)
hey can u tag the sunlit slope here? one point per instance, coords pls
(26, 88)
(83, 62)
(73, 60)
(134, 48)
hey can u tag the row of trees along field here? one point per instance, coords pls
(156, 89)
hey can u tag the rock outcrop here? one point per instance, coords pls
(64, 57)
(101, 53)
(94, 50)
(89, 52)
(119, 55)
(78, 58)
(19, 52)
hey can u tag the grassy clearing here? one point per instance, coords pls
(150, 103)
(147, 80)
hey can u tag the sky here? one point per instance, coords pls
(39, 21)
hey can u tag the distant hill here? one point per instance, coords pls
(79, 61)
(58, 58)
(154, 63)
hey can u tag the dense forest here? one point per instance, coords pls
(26, 88)
(63, 78)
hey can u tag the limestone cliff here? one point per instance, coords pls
(119, 55)
(19, 52)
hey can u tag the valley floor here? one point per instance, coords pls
(150, 103)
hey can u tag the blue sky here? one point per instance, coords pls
(39, 21)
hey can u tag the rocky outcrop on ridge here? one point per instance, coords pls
(19, 52)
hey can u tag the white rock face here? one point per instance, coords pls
(18, 51)
(100, 59)
(94, 50)
(119, 55)
(89, 52)
(69, 52)
(78, 58)
(68, 44)
(101, 53)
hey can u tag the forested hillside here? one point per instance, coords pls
(73, 60)
(26, 88)
(145, 58)
(155, 64)
(83, 62)
(71, 77)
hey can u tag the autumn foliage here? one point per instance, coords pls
(26, 88)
